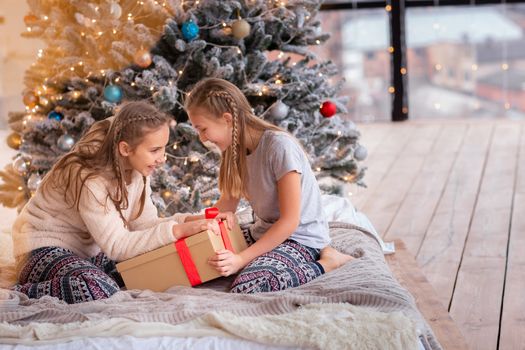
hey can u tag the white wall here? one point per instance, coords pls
(16, 55)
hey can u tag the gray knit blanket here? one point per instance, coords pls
(366, 281)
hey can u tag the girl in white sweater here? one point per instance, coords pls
(93, 208)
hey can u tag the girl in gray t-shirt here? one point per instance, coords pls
(268, 167)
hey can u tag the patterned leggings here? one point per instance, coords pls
(60, 273)
(290, 264)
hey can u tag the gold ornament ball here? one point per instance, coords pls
(166, 194)
(227, 30)
(142, 58)
(240, 29)
(30, 99)
(14, 140)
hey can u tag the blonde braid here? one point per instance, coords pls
(232, 104)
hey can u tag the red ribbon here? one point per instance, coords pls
(187, 262)
(211, 213)
(225, 237)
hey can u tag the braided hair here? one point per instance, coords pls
(97, 154)
(219, 96)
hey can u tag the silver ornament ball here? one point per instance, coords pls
(65, 142)
(360, 153)
(279, 110)
(115, 10)
(21, 164)
(34, 181)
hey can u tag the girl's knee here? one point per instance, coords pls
(90, 287)
(263, 281)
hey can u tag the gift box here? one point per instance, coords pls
(183, 263)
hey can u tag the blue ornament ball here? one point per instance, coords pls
(190, 30)
(55, 115)
(113, 93)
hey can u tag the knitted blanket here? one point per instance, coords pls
(365, 281)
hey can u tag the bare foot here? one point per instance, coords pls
(331, 259)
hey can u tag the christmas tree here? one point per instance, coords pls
(101, 52)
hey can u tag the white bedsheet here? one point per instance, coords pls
(156, 343)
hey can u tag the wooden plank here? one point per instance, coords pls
(385, 204)
(407, 272)
(372, 135)
(380, 162)
(512, 318)
(476, 302)
(442, 247)
(416, 211)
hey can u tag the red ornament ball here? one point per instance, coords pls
(328, 109)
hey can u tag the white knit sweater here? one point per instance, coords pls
(96, 226)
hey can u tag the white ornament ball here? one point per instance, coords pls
(360, 153)
(65, 142)
(115, 10)
(34, 181)
(21, 164)
(279, 110)
(240, 29)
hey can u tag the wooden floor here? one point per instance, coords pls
(454, 192)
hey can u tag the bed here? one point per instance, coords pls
(358, 306)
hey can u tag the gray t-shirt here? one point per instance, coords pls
(276, 155)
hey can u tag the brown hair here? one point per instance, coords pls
(219, 96)
(97, 154)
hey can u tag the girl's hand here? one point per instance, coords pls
(229, 217)
(193, 227)
(226, 262)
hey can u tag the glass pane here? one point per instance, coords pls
(359, 47)
(459, 68)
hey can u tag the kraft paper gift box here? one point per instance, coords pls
(183, 263)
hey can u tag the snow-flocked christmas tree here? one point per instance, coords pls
(102, 52)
